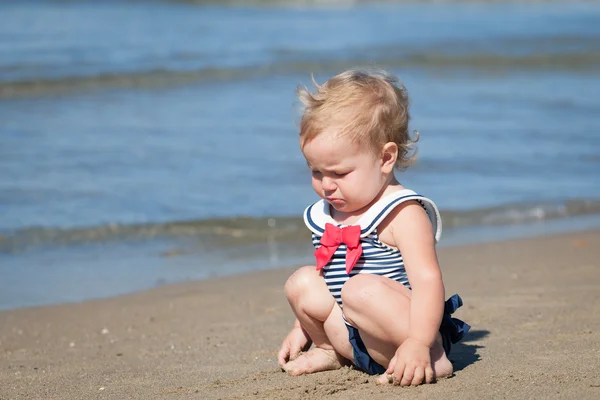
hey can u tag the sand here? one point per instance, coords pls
(534, 305)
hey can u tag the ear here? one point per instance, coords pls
(389, 155)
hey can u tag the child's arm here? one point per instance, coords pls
(413, 235)
(295, 342)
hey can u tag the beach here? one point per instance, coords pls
(152, 191)
(533, 305)
(117, 170)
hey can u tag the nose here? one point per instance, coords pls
(328, 184)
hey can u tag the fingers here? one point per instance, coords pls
(418, 377)
(399, 373)
(429, 376)
(409, 376)
(385, 379)
(387, 376)
(391, 366)
(283, 355)
(406, 378)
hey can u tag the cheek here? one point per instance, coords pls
(316, 184)
(364, 185)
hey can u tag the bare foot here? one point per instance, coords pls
(315, 360)
(442, 367)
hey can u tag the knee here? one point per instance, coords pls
(300, 282)
(359, 292)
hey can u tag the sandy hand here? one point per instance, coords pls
(295, 342)
(411, 365)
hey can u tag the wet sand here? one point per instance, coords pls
(534, 306)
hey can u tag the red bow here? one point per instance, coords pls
(331, 240)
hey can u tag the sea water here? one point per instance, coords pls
(149, 142)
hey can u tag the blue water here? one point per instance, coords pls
(118, 114)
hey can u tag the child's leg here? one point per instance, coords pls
(380, 309)
(321, 318)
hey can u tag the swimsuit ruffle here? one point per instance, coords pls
(453, 330)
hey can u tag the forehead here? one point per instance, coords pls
(331, 149)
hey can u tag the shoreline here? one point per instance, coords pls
(57, 276)
(530, 302)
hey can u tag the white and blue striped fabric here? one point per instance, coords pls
(377, 257)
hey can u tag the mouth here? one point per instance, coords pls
(337, 201)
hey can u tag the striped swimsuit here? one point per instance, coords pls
(377, 257)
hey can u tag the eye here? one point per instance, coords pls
(315, 172)
(340, 174)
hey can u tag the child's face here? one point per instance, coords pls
(345, 174)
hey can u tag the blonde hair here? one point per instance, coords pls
(372, 108)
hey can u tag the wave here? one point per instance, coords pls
(246, 230)
(583, 61)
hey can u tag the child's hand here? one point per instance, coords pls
(411, 365)
(295, 342)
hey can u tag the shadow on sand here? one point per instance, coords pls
(464, 354)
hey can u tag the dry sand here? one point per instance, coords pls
(534, 306)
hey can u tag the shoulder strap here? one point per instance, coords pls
(377, 213)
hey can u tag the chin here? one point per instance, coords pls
(338, 207)
(343, 208)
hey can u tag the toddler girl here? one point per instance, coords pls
(375, 298)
